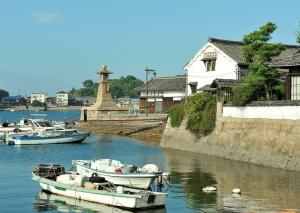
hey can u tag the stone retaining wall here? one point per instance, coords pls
(267, 142)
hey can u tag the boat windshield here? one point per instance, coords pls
(43, 124)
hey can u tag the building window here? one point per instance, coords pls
(295, 88)
(210, 65)
(193, 86)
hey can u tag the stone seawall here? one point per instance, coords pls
(267, 142)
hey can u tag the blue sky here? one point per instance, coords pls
(52, 45)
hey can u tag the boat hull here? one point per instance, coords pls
(134, 180)
(65, 204)
(104, 197)
(49, 140)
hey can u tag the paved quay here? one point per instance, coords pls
(140, 127)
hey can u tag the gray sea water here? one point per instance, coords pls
(263, 189)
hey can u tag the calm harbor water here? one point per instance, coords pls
(263, 189)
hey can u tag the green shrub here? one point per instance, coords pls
(36, 103)
(201, 110)
(243, 94)
(177, 113)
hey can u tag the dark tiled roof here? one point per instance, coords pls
(234, 49)
(287, 60)
(225, 83)
(165, 84)
(13, 97)
(206, 88)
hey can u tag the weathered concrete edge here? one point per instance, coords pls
(181, 139)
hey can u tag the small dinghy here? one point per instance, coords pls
(48, 137)
(98, 190)
(61, 203)
(119, 173)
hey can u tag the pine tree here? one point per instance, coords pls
(258, 53)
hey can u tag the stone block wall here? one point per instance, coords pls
(267, 142)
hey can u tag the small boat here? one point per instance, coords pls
(83, 188)
(68, 204)
(119, 173)
(6, 127)
(33, 126)
(48, 137)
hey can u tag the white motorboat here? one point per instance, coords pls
(45, 137)
(31, 126)
(83, 188)
(12, 128)
(68, 204)
(119, 173)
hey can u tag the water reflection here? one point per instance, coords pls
(51, 202)
(263, 189)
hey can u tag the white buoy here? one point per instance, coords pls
(236, 191)
(209, 189)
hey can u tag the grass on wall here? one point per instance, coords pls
(200, 112)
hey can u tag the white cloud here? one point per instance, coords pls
(47, 18)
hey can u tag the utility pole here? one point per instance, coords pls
(147, 70)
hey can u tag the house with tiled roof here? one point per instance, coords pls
(37, 96)
(291, 63)
(161, 93)
(62, 99)
(224, 59)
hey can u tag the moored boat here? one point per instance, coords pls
(68, 204)
(35, 127)
(81, 187)
(119, 173)
(73, 136)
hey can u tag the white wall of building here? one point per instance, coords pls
(170, 94)
(270, 112)
(226, 67)
(166, 94)
(62, 99)
(41, 97)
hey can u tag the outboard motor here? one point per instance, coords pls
(150, 168)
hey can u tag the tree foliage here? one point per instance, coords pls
(243, 94)
(88, 83)
(201, 111)
(3, 94)
(36, 103)
(298, 35)
(262, 79)
(125, 86)
(177, 113)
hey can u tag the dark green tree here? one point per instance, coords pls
(3, 94)
(36, 103)
(258, 53)
(262, 81)
(125, 86)
(298, 34)
(88, 83)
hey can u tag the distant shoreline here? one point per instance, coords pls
(70, 108)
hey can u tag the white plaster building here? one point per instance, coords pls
(62, 99)
(218, 58)
(41, 97)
